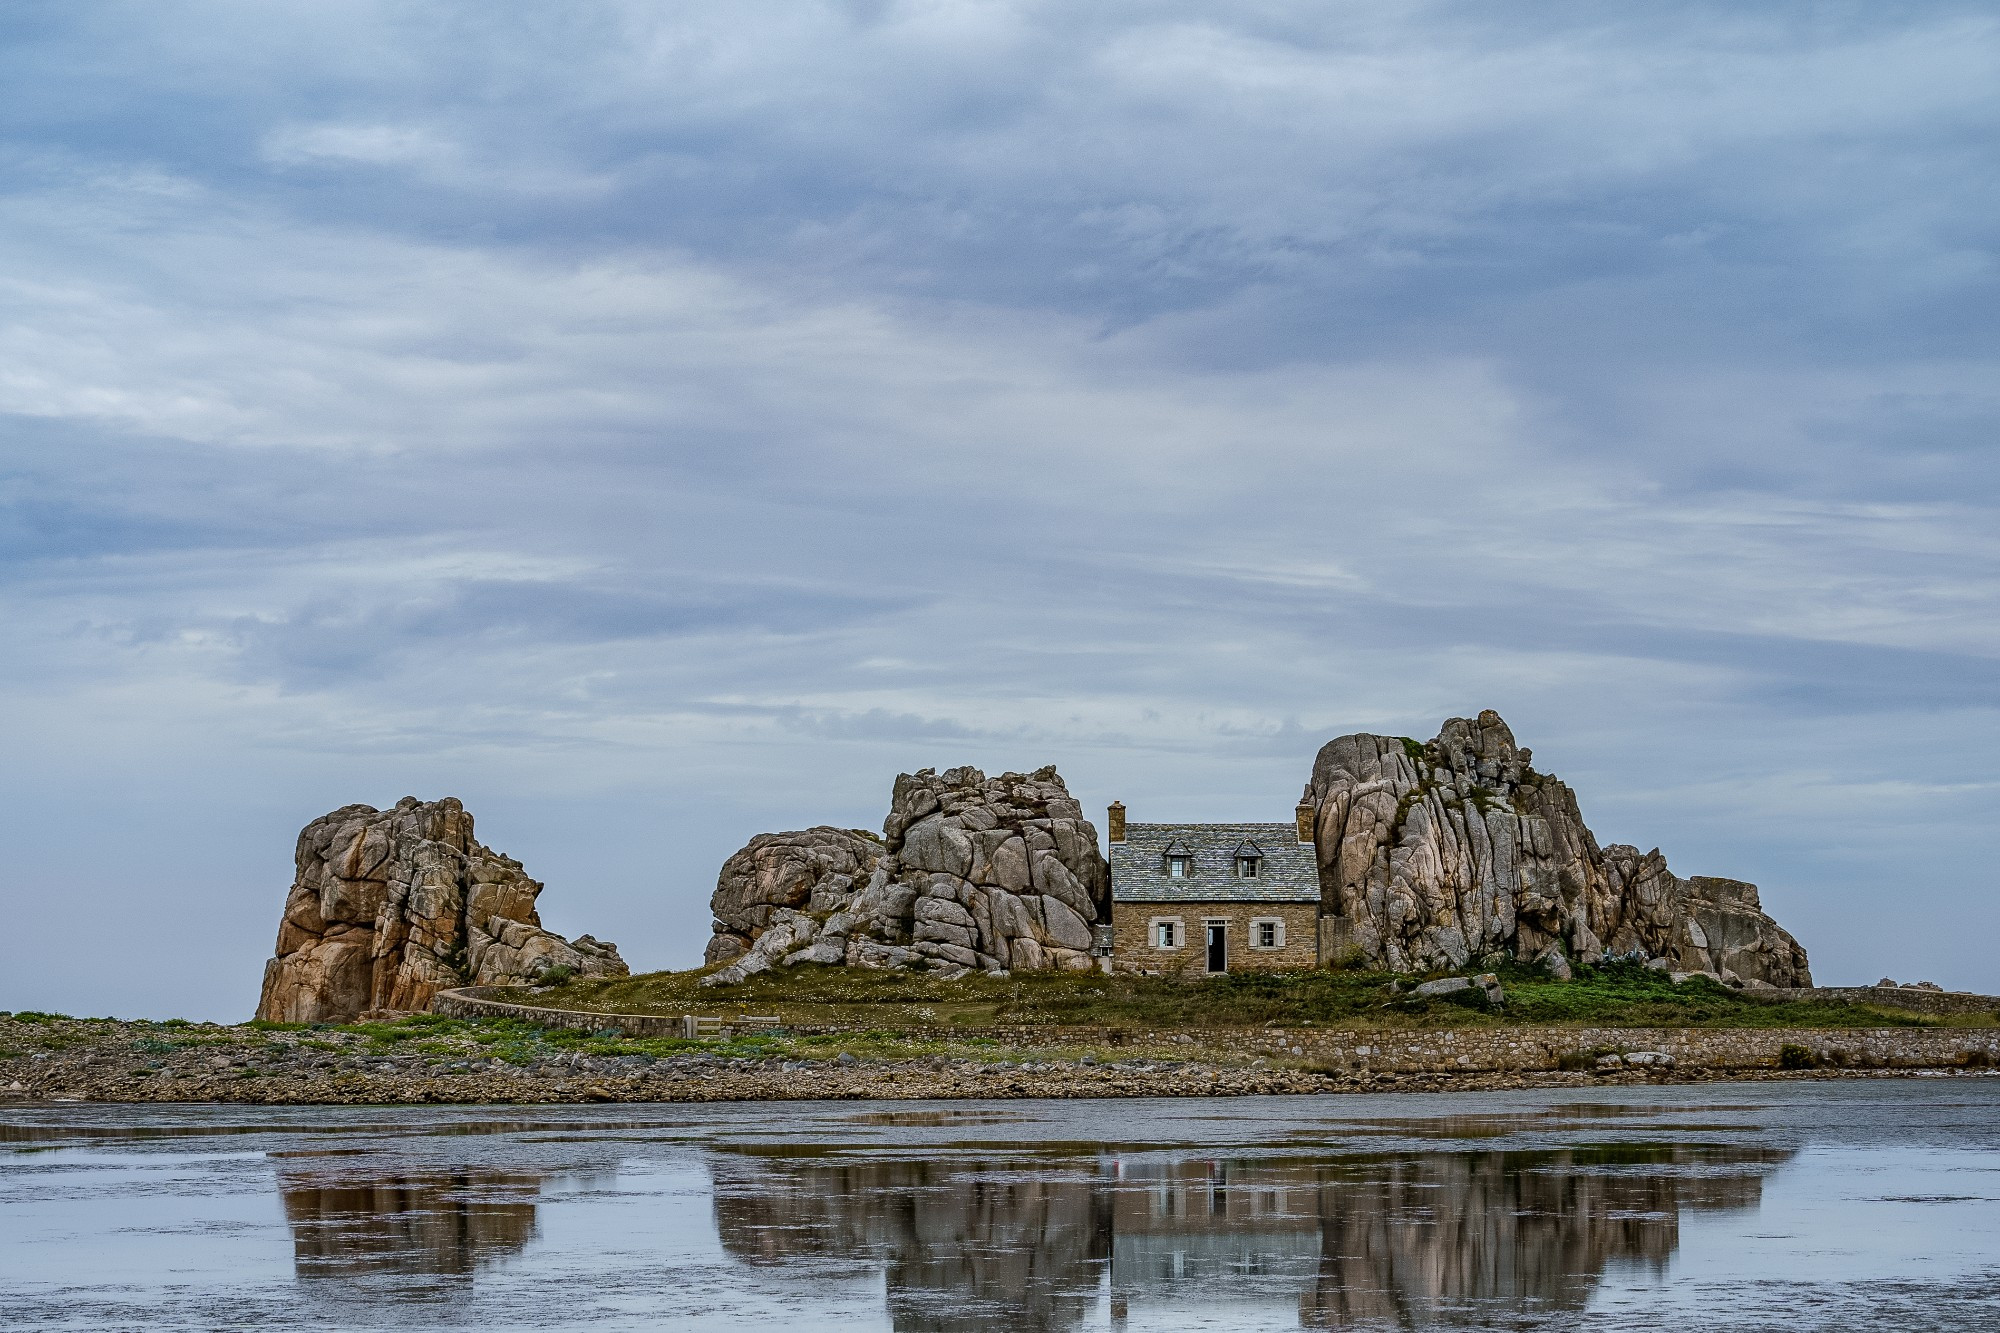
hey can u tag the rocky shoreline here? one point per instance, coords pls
(49, 1059)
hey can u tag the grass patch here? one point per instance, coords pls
(1620, 994)
(1627, 994)
(1791, 1056)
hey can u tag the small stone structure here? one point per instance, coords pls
(1212, 898)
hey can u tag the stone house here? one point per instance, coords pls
(1211, 898)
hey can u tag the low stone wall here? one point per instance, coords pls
(1915, 999)
(1451, 1051)
(477, 1002)
(1487, 1050)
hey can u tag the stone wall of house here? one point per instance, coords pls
(1133, 948)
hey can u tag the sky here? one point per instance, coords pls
(660, 424)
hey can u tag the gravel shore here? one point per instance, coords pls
(109, 1061)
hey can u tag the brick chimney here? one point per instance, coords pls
(1114, 822)
(1308, 819)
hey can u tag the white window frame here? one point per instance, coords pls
(1249, 867)
(1257, 923)
(1176, 924)
(1180, 866)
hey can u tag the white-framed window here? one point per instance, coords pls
(1267, 932)
(1246, 866)
(1180, 867)
(1167, 932)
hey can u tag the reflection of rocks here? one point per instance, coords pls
(443, 1222)
(1413, 1241)
(1407, 1240)
(966, 1247)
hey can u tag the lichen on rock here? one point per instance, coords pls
(391, 906)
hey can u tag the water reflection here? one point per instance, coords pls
(1416, 1241)
(1410, 1239)
(434, 1224)
(957, 1240)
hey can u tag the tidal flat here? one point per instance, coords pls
(1734, 1206)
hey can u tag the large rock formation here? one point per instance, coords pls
(1432, 855)
(995, 873)
(392, 906)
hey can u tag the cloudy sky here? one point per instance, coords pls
(656, 424)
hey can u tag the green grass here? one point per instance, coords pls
(1629, 995)
(894, 1015)
(1613, 995)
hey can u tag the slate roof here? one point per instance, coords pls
(1289, 873)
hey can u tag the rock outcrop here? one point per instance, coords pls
(392, 906)
(971, 872)
(1434, 855)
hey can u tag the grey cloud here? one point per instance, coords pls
(708, 412)
(337, 641)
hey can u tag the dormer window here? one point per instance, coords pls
(1179, 867)
(1246, 866)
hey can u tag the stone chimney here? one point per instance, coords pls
(1308, 820)
(1114, 821)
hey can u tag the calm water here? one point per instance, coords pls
(1764, 1206)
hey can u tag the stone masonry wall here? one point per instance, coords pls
(1133, 948)
(1486, 1050)
(1913, 998)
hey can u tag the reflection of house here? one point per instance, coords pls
(972, 1244)
(1214, 897)
(1191, 1232)
(967, 1246)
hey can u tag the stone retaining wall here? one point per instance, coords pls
(476, 1002)
(1461, 1050)
(1938, 1002)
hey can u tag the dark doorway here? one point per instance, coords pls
(1218, 949)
